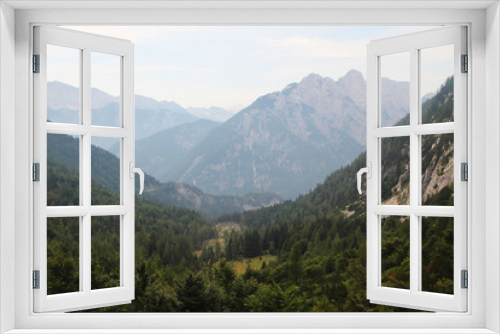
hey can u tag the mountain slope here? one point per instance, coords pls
(328, 225)
(215, 114)
(63, 159)
(312, 250)
(159, 153)
(186, 196)
(338, 192)
(285, 142)
(437, 154)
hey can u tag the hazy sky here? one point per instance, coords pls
(231, 66)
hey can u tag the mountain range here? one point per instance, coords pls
(284, 143)
(310, 252)
(287, 141)
(151, 115)
(62, 171)
(337, 193)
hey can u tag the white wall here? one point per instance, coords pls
(492, 148)
(7, 161)
(479, 122)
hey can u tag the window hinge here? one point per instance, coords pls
(36, 279)
(464, 171)
(36, 63)
(465, 64)
(465, 279)
(36, 172)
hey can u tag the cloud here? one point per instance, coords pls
(232, 65)
(158, 68)
(137, 34)
(306, 47)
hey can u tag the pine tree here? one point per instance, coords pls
(295, 264)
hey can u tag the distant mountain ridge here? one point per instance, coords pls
(152, 116)
(63, 157)
(187, 196)
(286, 142)
(61, 96)
(212, 113)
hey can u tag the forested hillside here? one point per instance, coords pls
(105, 170)
(166, 233)
(297, 256)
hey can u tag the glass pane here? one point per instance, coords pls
(105, 171)
(106, 89)
(436, 84)
(105, 252)
(395, 171)
(63, 255)
(437, 254)
(63, 170)
(395, 252)
(395, 89)
(437, 169)
(63, 84)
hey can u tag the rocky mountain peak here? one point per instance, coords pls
(315, 82)
(312, 78)
(354, 85)
(352, 80)
(352, 75)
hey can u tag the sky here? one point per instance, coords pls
(230, 66)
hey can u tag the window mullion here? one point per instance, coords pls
(414, 173)
(86, 176)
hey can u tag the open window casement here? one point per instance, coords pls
(69, 212)
(415, 186)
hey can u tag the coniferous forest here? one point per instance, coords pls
(302, 255)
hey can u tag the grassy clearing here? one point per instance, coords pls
(255, 263)
(211, 242)
(224, 227)
(228, 227)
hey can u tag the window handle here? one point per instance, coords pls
(368, 171)
(141, 175)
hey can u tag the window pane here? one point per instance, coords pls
(105, 252)
(105, 171)
(437, 170)
(395, 171)
(63, 84)
(437, 254)
(395, 89)
(436, 84)
(63, 255)
(106, 89)
(63, 170)
(395, 252)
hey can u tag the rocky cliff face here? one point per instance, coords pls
(437, 176)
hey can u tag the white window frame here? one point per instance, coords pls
(86, 43)
(414, 296)
(483, 124)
